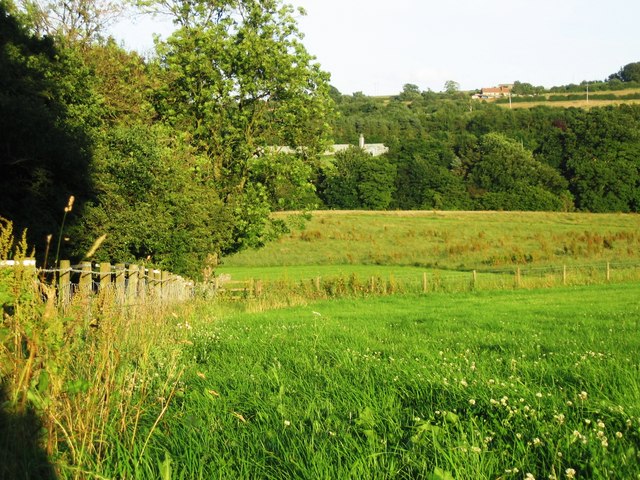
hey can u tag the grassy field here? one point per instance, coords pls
(488, 382)
(512, 384)
(592, 103)
(407, 243)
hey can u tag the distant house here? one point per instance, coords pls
(375, 149)
(502, 90)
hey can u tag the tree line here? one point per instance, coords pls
(448, 151)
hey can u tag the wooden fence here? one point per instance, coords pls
(127, 284)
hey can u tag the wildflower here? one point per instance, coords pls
(570, 473)
(582, 395)
(537, 442)
(475, 449)
(559, 418)
(618, 434)
(287, 423)
(569, 403)
(539, 395)
(529, 476)
(601, 424)
(504, 400)
(472, 401)
(464, 383)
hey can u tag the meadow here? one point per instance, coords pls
(405, 245)
(510, 384)
(356, 380)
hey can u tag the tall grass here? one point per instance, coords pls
(450, 240)
(93, 378)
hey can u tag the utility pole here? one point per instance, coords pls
(587, 92)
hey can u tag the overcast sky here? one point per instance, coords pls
(377, 46)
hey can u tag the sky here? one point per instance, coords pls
(376, 46)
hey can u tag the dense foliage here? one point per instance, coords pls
(451, 152)
(166, 156)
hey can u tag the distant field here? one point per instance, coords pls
(371, 243)
(572, 103)
(582, 103)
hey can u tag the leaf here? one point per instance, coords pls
(439, 474)
(366, 419)
(239, 417)
(165, 466)
(451, 417)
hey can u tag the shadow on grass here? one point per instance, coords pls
(21, 455)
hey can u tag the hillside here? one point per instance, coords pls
(353, 241)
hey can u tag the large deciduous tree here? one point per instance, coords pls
(236, 79)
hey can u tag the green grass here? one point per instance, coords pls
(451, 240)
(469, 386)
(406, 244)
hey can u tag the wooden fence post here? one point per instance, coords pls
(608, 271)
(318, 284)
(156, 277)
(86, 281)
(120, 281)
(474, 280)
(259, 288)
(424, 282)
(517, 277)
(104, 276)
(144, 288)
(165, 287)
(132, 283)
(564, 274)
(64, 283)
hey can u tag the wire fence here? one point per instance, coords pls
(519, 277)
(130, 285)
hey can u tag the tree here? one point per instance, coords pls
(236, 79)
(506, 168)
(628, 73)
(81, 21)
(409, 93)
(356, 180)
(48, 112)
(451, 87)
